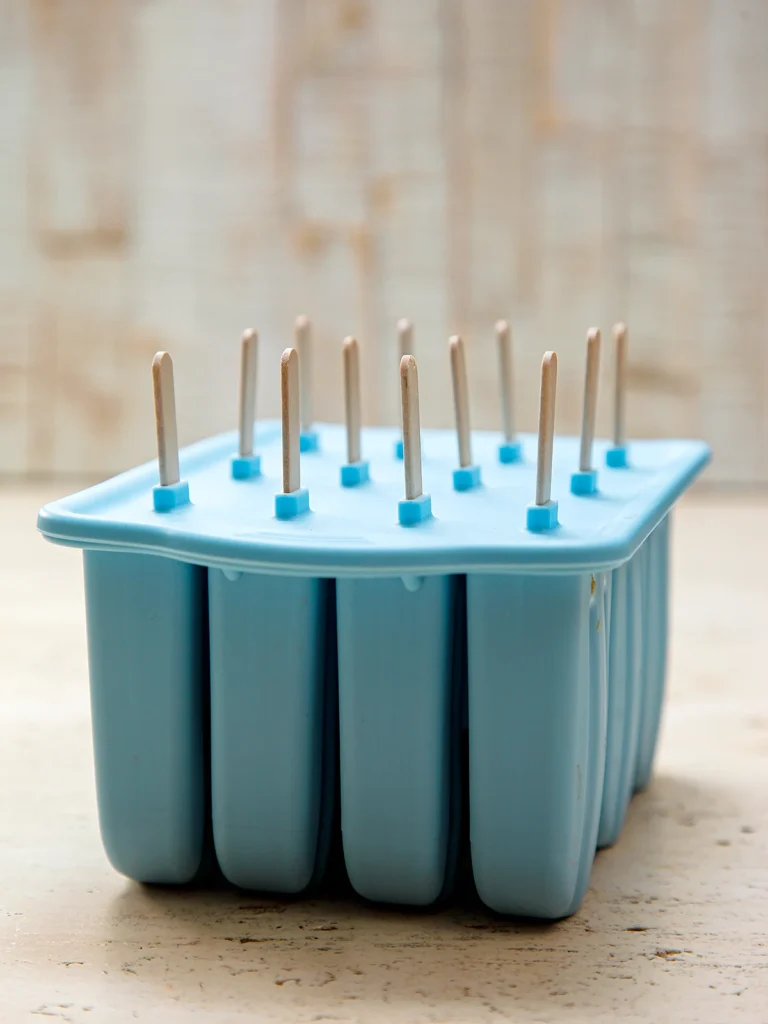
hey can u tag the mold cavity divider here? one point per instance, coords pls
(245, 464)
(355, 471)
(405, 348)
(584, 480)
(656, 613)
(294, 498)
(510, 449)
(616, 455)
(309, 440)
(467, 475)
(629, 653)
(625, 684)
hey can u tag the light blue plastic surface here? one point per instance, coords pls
(625, 681)
(536, 714)
(397, 731)
(656, 611)
(147, 639)
(557, 636)
(267, 702)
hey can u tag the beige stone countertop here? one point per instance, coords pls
(674, 927)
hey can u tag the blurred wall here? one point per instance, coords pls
(172, 171)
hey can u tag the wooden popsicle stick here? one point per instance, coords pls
(351, 358)
(461, 399)
(506, 380)
(546, 428)
(589, 413)
(405, 337)
(303, 344)
(165, 419)
(405, 348)
(620, 337)
(248, 358)
(290, 398)
(409, 392)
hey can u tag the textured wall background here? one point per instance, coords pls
(172, 171)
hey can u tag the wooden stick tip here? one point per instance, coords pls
(549, 361)
(161, 363)
(302, 322)
(502, 327)
(407, 363)
(248, 334)
(350, 342)
(619, 331)
(455, 342)
(593, 334)
(288, 356)
(404, 324)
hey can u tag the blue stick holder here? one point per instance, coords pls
(539, 518)
(246, 467)
(355, 473)
(309, 441)
(228, 637)
(292, 504)
(465, 478)
(584, 482)
(411, 511)
(166, 497)
(616, 457)
(510, 451)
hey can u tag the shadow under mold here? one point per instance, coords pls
(332, 946)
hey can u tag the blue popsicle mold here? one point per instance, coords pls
(539, 648)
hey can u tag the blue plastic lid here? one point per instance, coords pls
(354, 531)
